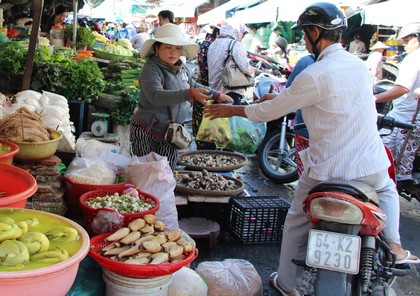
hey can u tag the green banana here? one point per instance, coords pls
(13, 253)
(56, 255)
(62, 234)
(8, 231)
(36, 242)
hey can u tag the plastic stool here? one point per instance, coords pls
(201, 228)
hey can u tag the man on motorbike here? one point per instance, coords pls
(334, 94)
(404, 103)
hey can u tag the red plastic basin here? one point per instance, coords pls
(7, 158)
(16, 186)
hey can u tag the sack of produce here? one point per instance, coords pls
(187, 282)
(231, 277)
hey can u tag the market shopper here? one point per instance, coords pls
(404, 103)
(57, 19)
(334, 94)
(165, 82)
(357, 46)
(140, 38)
(166, 17)
(375, 60)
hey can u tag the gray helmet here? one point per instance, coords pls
(322, 14)
(282, 43)
(409, 29)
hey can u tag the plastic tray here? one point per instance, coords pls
(243, 160)
(134, 270)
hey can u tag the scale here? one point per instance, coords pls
(99, 127)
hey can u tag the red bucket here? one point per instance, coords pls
(7, 157)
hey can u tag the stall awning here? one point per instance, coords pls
(263, 13)
(218, 14)
(182, 9)
(392, 13)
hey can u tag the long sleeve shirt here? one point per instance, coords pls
(338, 106)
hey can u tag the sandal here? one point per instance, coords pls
(407, 260)
(273, 282)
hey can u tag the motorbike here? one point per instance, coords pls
(408, 189)
(276, 153)
(346, 250)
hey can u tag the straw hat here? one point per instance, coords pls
(170, 34)
(379, 45)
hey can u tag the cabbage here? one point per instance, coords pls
(117, 49)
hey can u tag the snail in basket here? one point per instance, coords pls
(146, 241)
(205, 181)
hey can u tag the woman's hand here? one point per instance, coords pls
(222, 98)
(200, 94)
(266, 97)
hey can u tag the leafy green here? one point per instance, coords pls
(84, 36)
(13, 58)
(125, 105)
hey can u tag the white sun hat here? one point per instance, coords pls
(170, 34)
(379, 45)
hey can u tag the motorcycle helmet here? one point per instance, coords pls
(322, 14)
(409, 29)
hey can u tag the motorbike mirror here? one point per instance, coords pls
(282, 43)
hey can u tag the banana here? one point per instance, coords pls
(160, 238)
(36, 242)
(129, 252)
(137, 224)
(160, 226)
(151, 246)
(56, 255)
(130, 238)
(148, 229)
(8, 231)
(150, 219)
(140, 261)
(175, 251)
(13, 253)
(119, 234)
(159, 258)
(62, 234)
(173, 235)
(144, 239)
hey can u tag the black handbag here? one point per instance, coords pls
(232, 77)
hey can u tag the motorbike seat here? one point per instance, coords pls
(359, 190)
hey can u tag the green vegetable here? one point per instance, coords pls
(13, 58)
(124, 106)
(84, 36)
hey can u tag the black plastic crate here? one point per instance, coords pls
(257, 219)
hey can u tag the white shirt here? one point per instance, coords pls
(408, 77)
(357, 47)
(338, 106)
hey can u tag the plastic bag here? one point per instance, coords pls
(214, 131)
(106, 221)
(187, 282)
(247, 135)
(231, 277)
(152, 174)
(90, 171)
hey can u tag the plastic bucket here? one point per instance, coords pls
(7, 158)
(118, 285)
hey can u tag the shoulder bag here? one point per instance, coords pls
(176, 134)
(232, 77)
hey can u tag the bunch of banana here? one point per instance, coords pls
(146, 241)
(99, 37)
(21, 243)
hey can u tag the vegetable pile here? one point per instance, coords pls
(122, 203)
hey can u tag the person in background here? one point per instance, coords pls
(57, 19)
(357, 46)
(375, 60)
(138, 40)
(166, 17)
(110, 31)
(165, 82)
(340, 147)
(273, 48)
(404, 103)
(96, 27)
(256, 44)
(122, 32)
(217, 54)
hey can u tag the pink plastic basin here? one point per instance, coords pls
(54, 280)
(17, 186)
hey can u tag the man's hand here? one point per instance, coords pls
(201, 95)
(266, 97)
(214, 111)
(417, 93)
(224, 99)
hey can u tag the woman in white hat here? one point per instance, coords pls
(166, 82)
(375, 59)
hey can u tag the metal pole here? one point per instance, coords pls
(74, 24)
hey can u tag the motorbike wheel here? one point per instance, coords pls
(278, 168)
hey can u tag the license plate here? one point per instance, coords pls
(333, 251)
